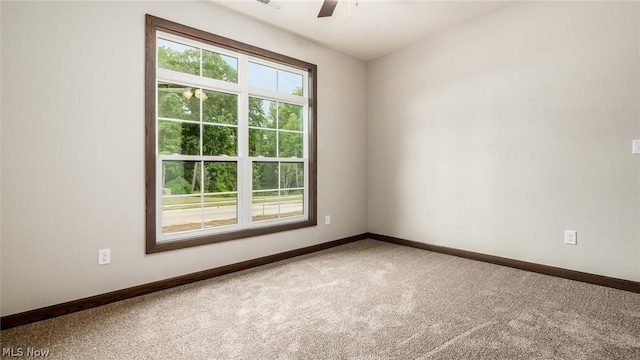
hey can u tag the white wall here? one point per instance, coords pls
(73, 148)
(499, 134)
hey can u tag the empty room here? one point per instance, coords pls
(320, 179)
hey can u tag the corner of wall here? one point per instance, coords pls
(470, 129)
(638, 131)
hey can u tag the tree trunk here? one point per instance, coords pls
(195, 176)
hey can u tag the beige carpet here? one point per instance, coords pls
(365, 300)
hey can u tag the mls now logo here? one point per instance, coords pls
(24, 352)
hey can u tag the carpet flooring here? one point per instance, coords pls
(364, 300)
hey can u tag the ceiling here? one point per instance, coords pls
(375, 28)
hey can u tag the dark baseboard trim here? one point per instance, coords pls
(615, 283)
(27, 317)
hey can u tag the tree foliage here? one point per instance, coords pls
(184, 112)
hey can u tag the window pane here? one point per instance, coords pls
(220, 210)
(181, 213)
(178, 138)
(180, 177)
(178, 57)
(178, 102)
(219, 140)
(289, 117)
(265, 206)
(265, 175)
(290, 144)
(218, 66)
(218, 107)
(263, 77)
(262, 113)
(220, 177)
(291, 175)
(262, 143)
(291, 203)
(289, 83)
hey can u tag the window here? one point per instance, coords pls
(230, 139)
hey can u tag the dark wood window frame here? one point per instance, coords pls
(154, 24)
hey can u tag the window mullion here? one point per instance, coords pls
(244, 164)
(276, 96)
(176, 77)
(202, 193)
(278, 156)
(279, 190)
(201, 151)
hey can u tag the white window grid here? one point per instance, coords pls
(244, 162)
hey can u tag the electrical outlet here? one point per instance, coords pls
(104, 256)
(327, 220)
(570, 237)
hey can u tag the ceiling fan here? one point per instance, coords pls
(325, 11)
(327, 8)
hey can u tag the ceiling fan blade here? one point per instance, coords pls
(327, 8)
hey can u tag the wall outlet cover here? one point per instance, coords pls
(570, 237)
(104, 256)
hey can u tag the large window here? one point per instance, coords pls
(230, 139)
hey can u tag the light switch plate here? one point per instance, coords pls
(636, 147)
